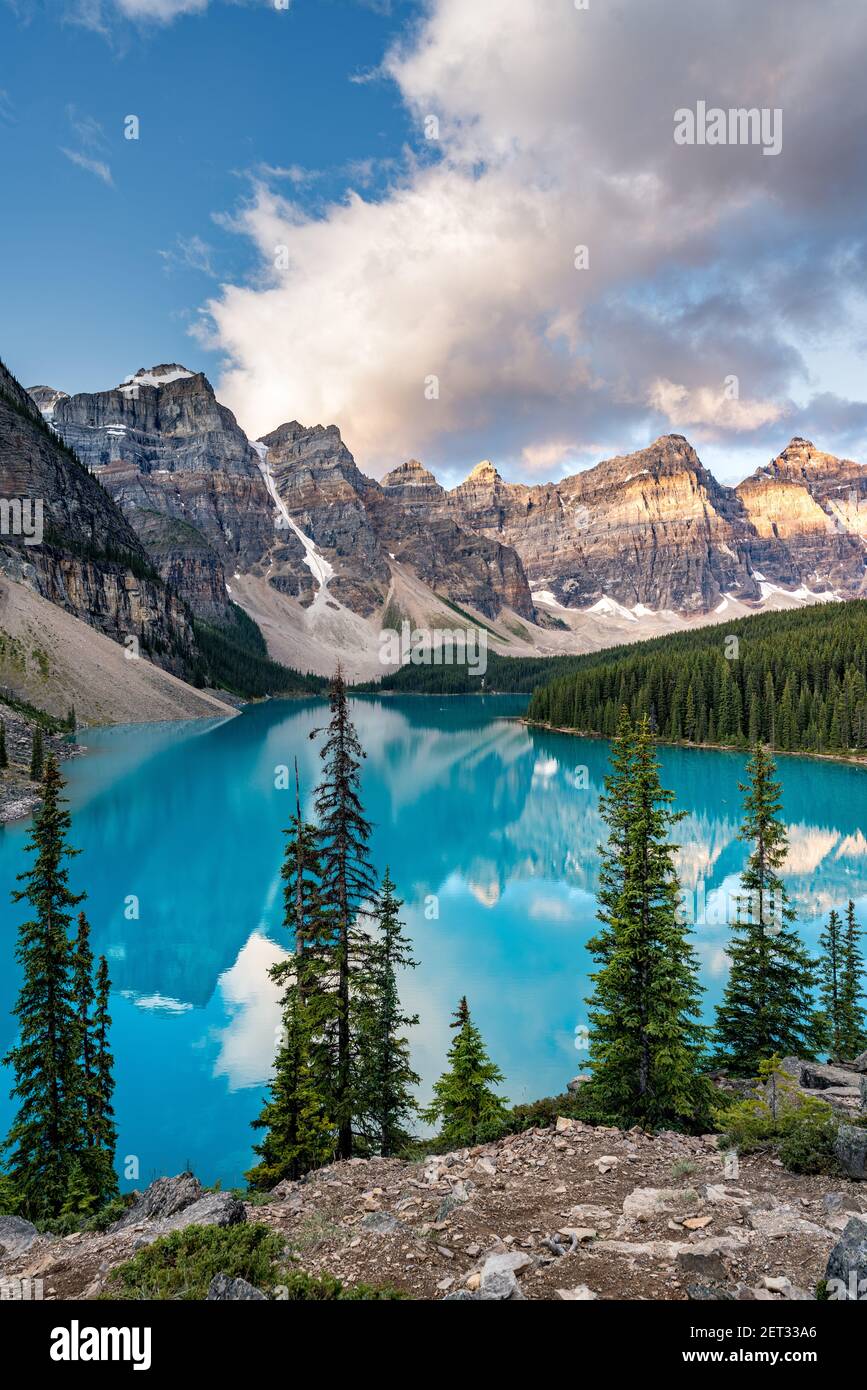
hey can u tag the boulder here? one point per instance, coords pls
(498, 1281)
(213, 1209)
(817, 1076)
(16, 1235)
(645, 1202)
(782, 1221)
(709, 1293)
(581, 1080)
(846, 1272)
(708, 1265)
(860, 1062)
(580, 1294)
(162, 1199)
(850, 1150)
(381, 1223)
(223, 1288)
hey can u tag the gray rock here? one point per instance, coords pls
(16, 1235)
(782, 1221)
(448, 1205)
(162, 1199)
(815, 1076)
(381, 1223)
(496, 1288)
(708, 1265)
(222, 1288)
(846, 1272)
(461, 1296)
(214, 1209)
(836, 1202)
(498, 1281)
(577, 1082)
(851, 1151)
(860, 1062)
(709, 1293)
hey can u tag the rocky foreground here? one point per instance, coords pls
(574, 1212)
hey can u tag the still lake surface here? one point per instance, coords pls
(490, 830)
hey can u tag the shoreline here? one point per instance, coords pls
(847, 759)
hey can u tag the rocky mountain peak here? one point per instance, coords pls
(410, 477)
(484, 472)
(46, 398)
(163, 375)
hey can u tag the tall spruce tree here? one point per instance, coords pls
(387, 1077)
(348, 886)
(853, 1020)
(103, 1127)
(646, 1044)
(37, 755)
(464, 1104)
(830, 974)
(298, 1133)
(84, 992)
(46, 1132)
(767, 1005)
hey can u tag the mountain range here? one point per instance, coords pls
(322, 557)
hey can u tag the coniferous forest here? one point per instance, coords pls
(796, 681)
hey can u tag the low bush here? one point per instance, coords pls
(182, 1265)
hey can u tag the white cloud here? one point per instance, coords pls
(556, 130)
(161, 11)
(710, 409)
(93, 166)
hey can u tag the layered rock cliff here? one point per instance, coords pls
(161, 442)
(646, 534)
(655, 529)
(89, 559)
(809, 513)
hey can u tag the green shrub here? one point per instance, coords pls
(182, 1265)
(324, 1288)
(800, 1129)
(807, 1146)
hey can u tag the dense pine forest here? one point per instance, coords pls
(234, 656)
(796, 681)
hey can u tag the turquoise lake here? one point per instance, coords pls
(490, 830)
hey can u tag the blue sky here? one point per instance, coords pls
(426, 296)
(96, 277)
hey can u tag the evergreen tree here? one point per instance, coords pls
(85, 995)
(767, 1006)
(46, 1131)
(103, 1128)
(645, 1041)
(853, 1022)
(387, 1077)
(830, 982)
(348, 888)
(4, 756)
(298, 1133)
(465, 1106)
(37, 755)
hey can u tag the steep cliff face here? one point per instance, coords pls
(809, 513)
(326, 496)
(161, 441)
(465, 562)
(90, 560)
(280, 508)
(651, 528)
